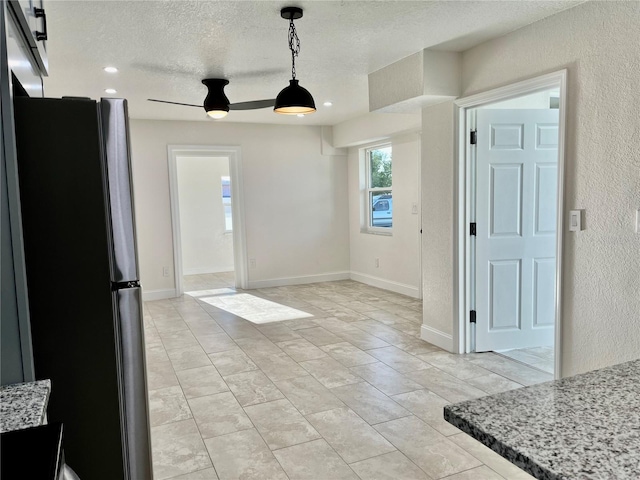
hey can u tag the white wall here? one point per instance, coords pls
(398, 254)
(206, 248)
(295, 200)
(597, 42)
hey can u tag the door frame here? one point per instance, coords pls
(234, 154)
(462, 331)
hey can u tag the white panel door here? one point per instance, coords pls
(516, 172)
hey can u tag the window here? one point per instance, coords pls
(379, 187)
(226, 203)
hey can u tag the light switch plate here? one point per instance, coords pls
(638, 221)
(575, 220)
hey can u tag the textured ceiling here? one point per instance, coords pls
(164, 48)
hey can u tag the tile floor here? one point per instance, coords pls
(538, 357)
(347, 392)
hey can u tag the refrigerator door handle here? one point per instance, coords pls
(124, 285)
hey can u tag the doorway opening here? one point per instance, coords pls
(510, 181)
(207, 216)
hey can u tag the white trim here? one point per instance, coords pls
(152, 295)
(437, 338)
(233, 153)
(378, 282)
(203, 270)
(281, 282)
(551, 80)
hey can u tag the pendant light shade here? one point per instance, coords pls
(294, 99)
(216, 104)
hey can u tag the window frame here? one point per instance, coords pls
(369, 191)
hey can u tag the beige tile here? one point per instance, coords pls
(483, 472)
(161, 375)
(167, 405)
(385, 378)
(280, 424)
(177, 340)
(349, 435)
(510, 369)
(301, 350)
(206, 326)
(398, 359)
(258, 347)
(417, 346)
(454, 365)
(368, 402)
(362, 339)
(429, 407)
(198, 382)
(217, 342)
(276, 332)
(425, 447)
(279, 366)
(251, 388)
(329, 372)
(170, 325)
(347, 354)
(446, 386)
(490, 458)
(308, 395)
(206, 474)
(244, 455)
(390, 466)
(314, 460)
(177, 449)
(319, 336)
(232, 362)
(493, 383)
(189, 357)
(219, 414)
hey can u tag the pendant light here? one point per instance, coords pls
(216, 104)
(294, 99)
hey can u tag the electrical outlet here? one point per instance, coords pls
(414, 208)
(252, 263)
(377, 263)
(165, 271)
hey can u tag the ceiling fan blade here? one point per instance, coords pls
(174, 103)
(255, 104)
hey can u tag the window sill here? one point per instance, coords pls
(384, 233)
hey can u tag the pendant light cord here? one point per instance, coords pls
(294, 46)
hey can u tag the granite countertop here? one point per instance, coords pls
(23, 405)
(582, 427)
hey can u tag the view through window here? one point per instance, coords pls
(226, 203)
(379, 187)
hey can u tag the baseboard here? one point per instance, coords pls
(396, 287)
(148, 296)
(437, 338)
(282, 282)
(203, 270)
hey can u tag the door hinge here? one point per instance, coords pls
(472, 229)
(473, 137)
(472, 316)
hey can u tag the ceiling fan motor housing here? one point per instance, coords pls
(216, 100)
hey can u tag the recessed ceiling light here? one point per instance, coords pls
(110, 91)
(300, 115)
(327, 104)
(110, 69)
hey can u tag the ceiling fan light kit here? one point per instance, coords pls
(293, 99)
(216, 104)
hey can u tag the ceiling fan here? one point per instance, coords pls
(216, 103)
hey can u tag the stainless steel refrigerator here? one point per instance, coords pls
(82, 278)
